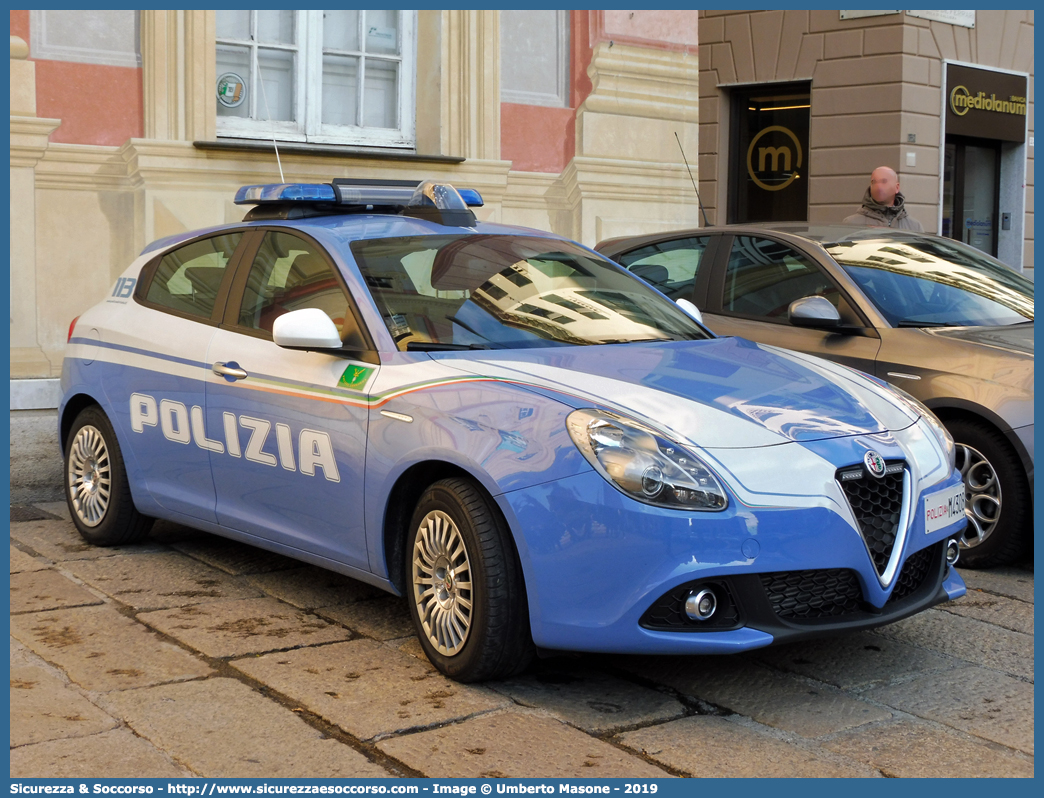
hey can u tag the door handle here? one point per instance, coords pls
(230, 371)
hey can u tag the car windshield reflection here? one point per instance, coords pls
(510, 292)
(930, 282)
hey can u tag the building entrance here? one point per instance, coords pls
(768, 160)
(971, 196)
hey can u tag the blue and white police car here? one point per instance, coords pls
(535, 448)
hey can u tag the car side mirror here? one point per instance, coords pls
(308, 328)
(813, 311)
(691, 309)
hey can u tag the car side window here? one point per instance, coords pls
(187, 280)
(289, 273)
(668, 266)
(764, 276)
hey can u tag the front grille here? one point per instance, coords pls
(877, 503)
(820, 593)
(668, 612)
(915, 570)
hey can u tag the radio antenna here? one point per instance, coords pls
(705, 223)
(268, 113)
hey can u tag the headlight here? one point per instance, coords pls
(943, 434)
(643, 464)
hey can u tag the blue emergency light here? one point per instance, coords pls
(285, 192)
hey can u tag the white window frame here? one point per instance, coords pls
(308, 87)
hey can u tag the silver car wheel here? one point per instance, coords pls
(442, 583)
(89, 475)
(983, 492)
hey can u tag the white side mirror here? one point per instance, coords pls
(308, 328)
(691, 309)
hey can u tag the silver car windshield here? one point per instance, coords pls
(510, 292)
(934, 282)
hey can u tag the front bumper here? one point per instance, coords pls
(596, 562)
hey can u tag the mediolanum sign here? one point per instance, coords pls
(985, 104)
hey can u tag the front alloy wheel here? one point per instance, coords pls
(464, 582)
(999, 503)
(442, 583)
(983, 491)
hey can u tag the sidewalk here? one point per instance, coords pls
(190, 655)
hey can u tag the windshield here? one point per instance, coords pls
(935, 282)
(510, 292)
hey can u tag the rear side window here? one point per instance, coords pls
(668, 266)
(764, 276)
(187, 280)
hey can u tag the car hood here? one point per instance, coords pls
(1014, 339)
(719, 393)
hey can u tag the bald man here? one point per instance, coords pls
(883, 204)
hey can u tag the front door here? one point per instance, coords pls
(288, 428)
(760, 279)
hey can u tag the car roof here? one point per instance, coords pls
(348, 227)
(811, 232)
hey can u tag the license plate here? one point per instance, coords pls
(943, 508)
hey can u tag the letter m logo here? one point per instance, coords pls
(764, 153)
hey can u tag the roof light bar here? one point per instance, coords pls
(385, 193)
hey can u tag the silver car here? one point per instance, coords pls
(934, 317)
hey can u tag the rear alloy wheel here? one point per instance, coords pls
(998, 499)
(96, 486)
(465, 588)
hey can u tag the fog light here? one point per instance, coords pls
(700, 606)
(953, 551)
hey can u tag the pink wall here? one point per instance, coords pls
(20, 25)
(665, 29)
(97, 104)
(535, 138)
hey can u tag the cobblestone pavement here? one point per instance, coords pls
(190, 655)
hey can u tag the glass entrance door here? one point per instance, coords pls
(970, 192)
(768, 155)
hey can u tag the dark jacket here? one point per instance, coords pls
(874, 214)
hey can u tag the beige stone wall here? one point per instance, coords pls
(84, 212)
(875, 81)
(627, 176)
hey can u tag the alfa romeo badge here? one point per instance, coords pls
(874, 463)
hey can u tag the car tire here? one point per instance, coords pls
(998, 508)
(96, 486)
(464, 584)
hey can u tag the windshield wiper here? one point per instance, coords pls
(431, 346)
(636, 340)
(915, 323)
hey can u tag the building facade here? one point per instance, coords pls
(128, 126)
(798, 107)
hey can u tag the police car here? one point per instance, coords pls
(534, 447)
